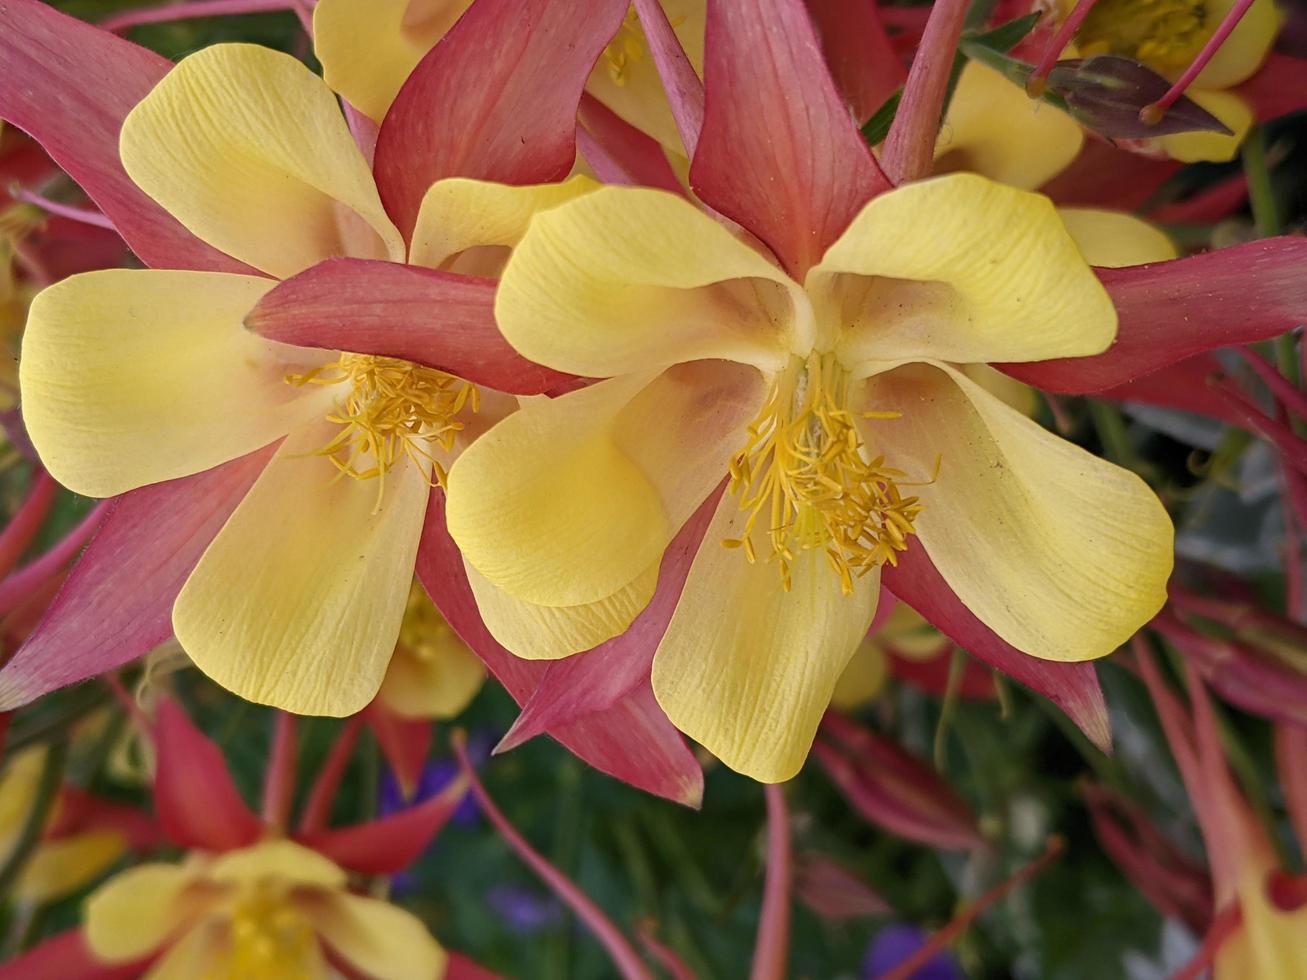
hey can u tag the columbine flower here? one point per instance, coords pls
(832, 401)
(134, 377)
(274, 909)
(369, 47)
(433, 674)
(1167, 36)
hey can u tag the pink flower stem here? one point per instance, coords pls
(663, 954)
(279, 776)
(1152, 114)
(22, 583)
(1289, 395)
(195, 9)
(1035, 83)
(771, 951)
(323, 794)
(85, 215)
(140, 720)
(910, 146)
(22, 527)
(623, 955)
(1223, 927)
(1053, 849)
(1291, 765)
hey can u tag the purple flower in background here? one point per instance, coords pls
(895, 943)
(524, 910)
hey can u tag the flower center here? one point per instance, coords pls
(1164, 34)
(270, 938)
(625, 49)
(393, 409)
(424, 632)
(805, 471)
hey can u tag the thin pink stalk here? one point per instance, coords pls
(1293, 450)
(140, 720)
(1152, 114)
(961, 922)
(1291, 765)
(621, 952)
(771, 951)
(195, 9)
(1223, 927)
(910, 146)
(27, 521)
(684, 89)
(85, 215)
(22, 583)
(317, 809)
(1295, 488)
(1285, 391)
(663, 954)
(279, 776)
(1035, 83)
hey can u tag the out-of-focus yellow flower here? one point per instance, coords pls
(433, 674)
(272, 911)
(905, 634)
(369, 47)
(60, 865)
(1166, 35)
(850, 434)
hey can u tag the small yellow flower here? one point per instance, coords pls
(272, 911)
(433, 674)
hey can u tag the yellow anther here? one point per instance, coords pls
(393, 410)
(1166, 35)
(805, 471)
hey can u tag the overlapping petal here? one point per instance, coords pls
(248, 149)
(1060, 553)
(133, 377)
(375, 937)
(132, 915)
(258, 614)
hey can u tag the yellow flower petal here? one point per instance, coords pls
(1005, 388)
(248, 149)
(132, 377)
(433, 674)
(277, 858)
(746, 668)
(298, 601)
(994, 129)
(626, 279)
(626, 79)
(61, 867)
(960, 268)
(376, 938)
(1060, 553)
(203, 951)
(570, 500)
(535, 632)
(368, 48)
(864, 677)
(1113, 239)
(1245, 49)
(18, 787)
(133, 913)
(1211, 147)
(459, 214)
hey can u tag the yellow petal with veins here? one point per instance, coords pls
(627, 278)
(133, 913)
(1114, 239)
(746, 668)
(570, 500)
(298, 601)
(994, 129)
(376, 938)
(535, 632)
(248, 149)
(488, 218)
(131, 377)
(960, 268)
(1060, 553)
(368, 48)
(1208, 147)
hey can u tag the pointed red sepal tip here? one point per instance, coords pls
(198, 804)
(405, 742)
(390, 844)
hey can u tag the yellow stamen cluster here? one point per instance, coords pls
(393, 410)
(270, 938)
(424, 632)
(626, 48)
(1166, 35)
(805, 471)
